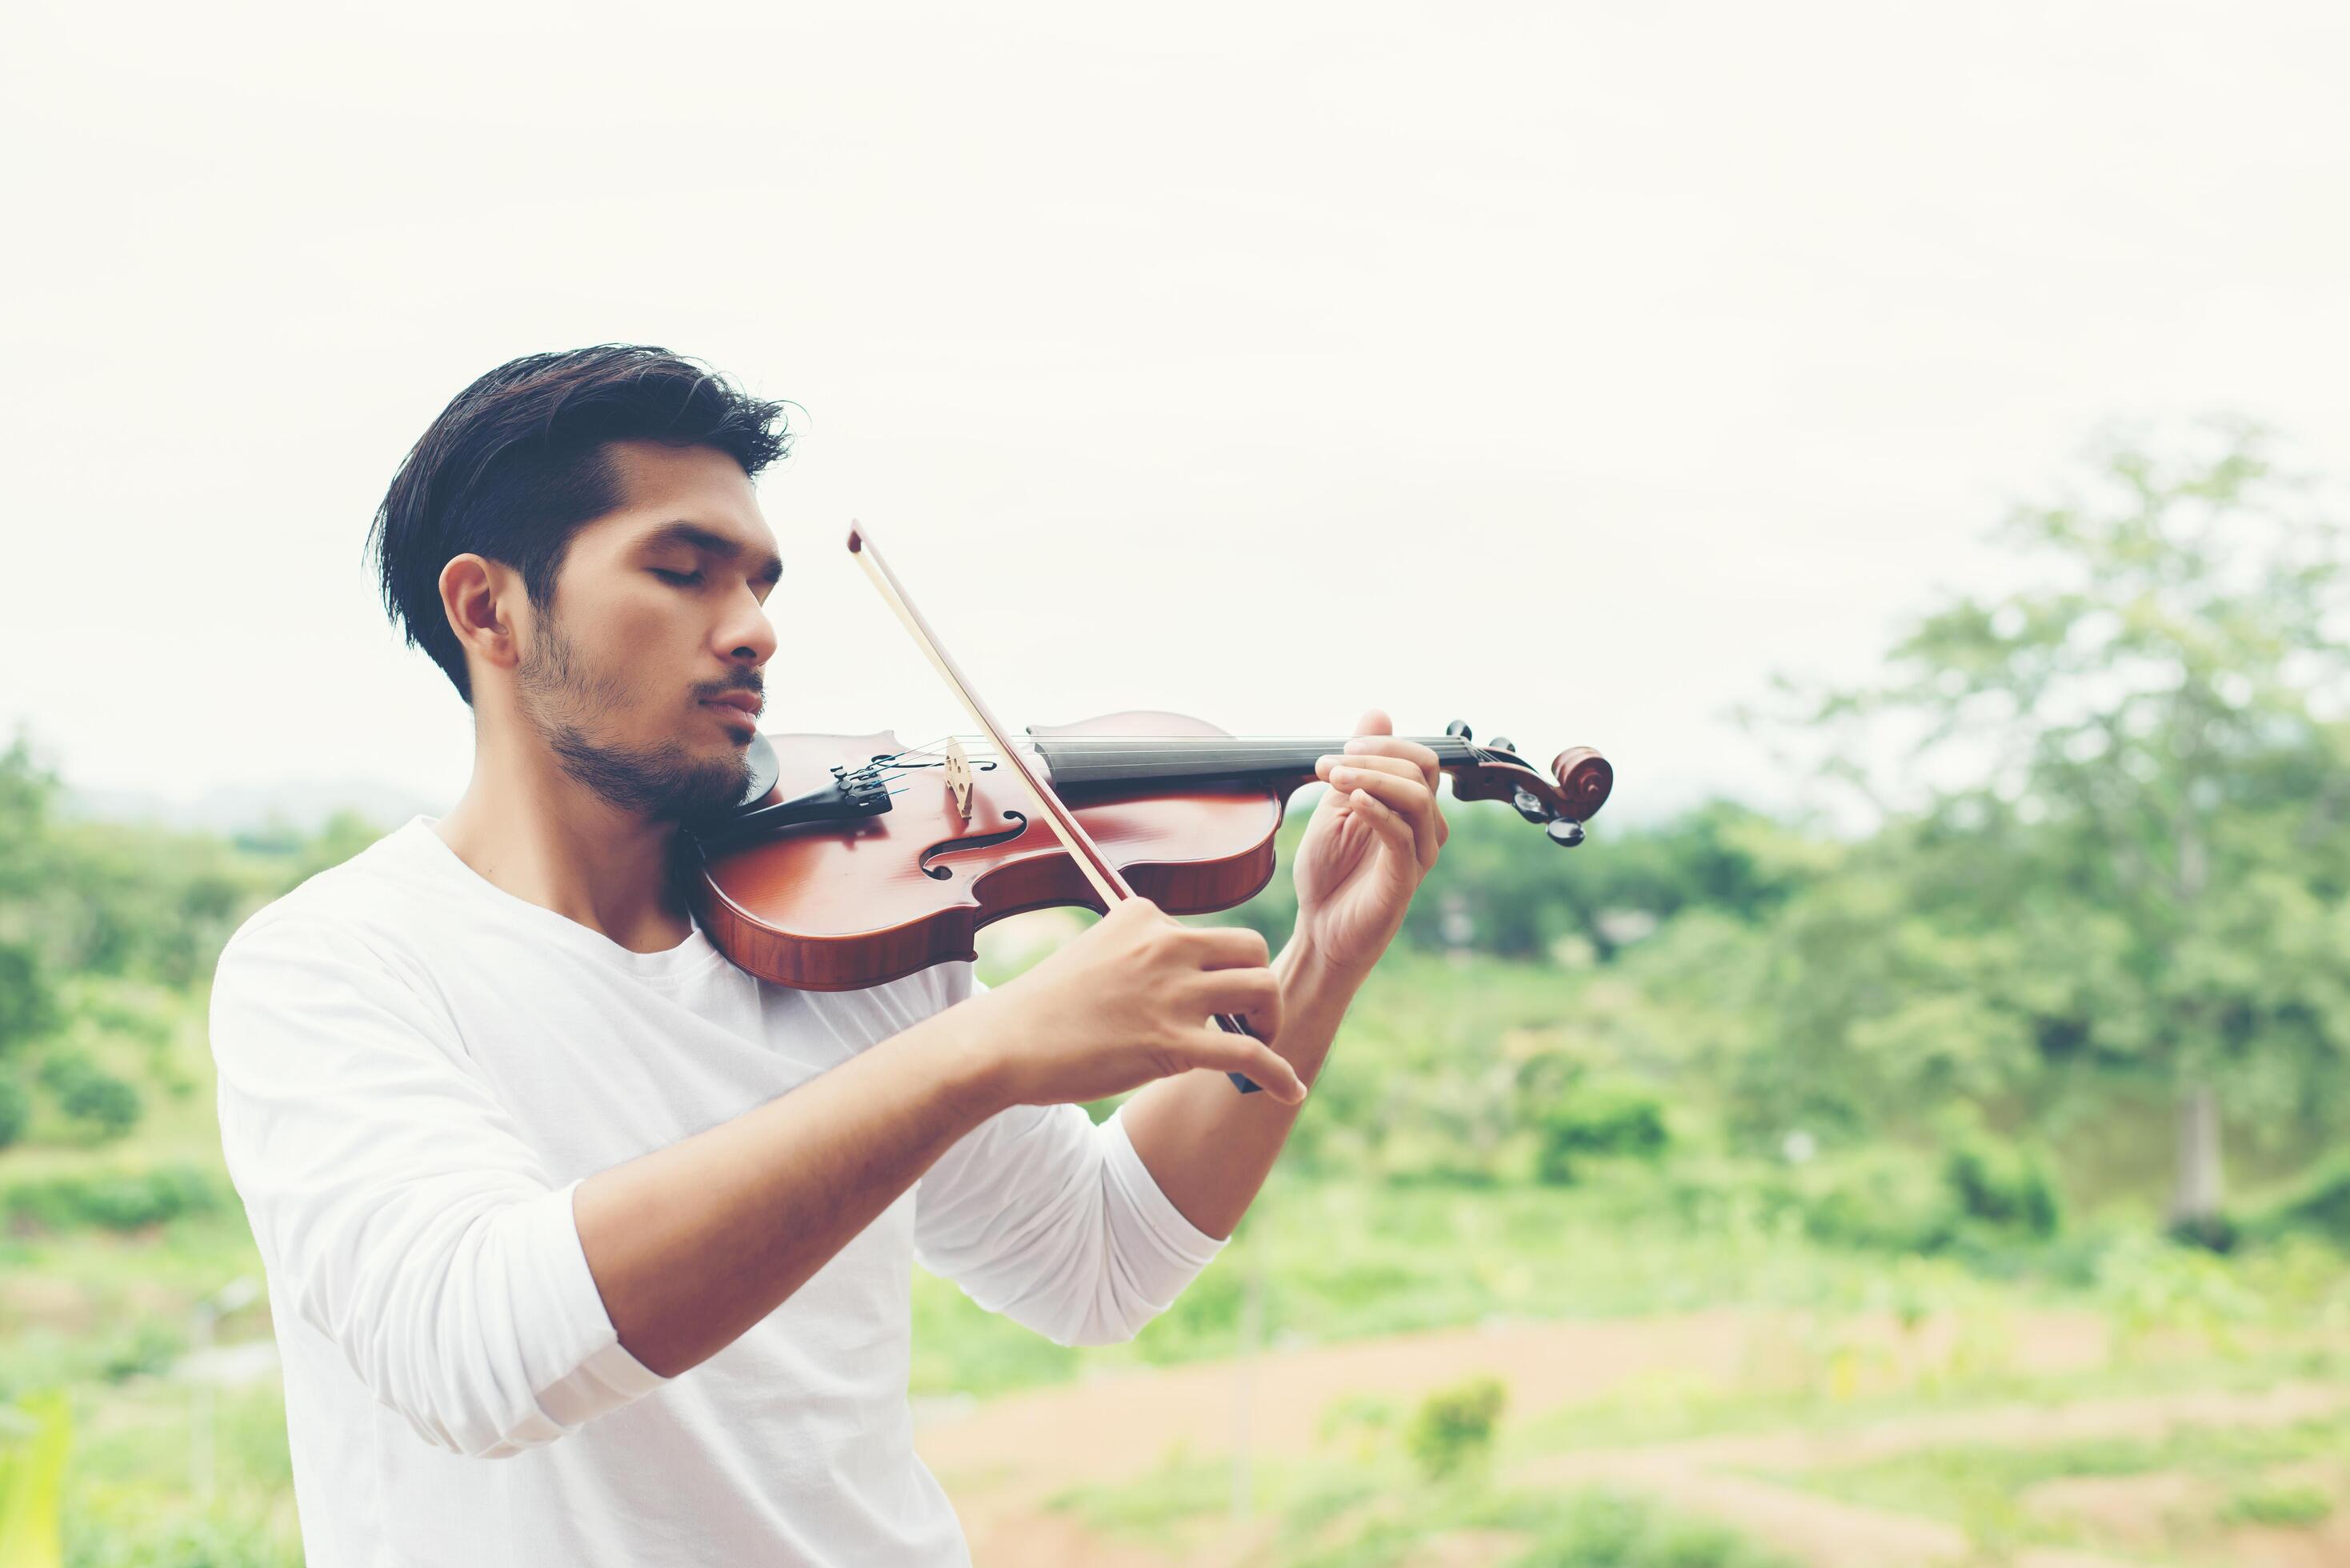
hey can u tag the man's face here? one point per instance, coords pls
(658, 613)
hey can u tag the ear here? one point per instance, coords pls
(485, 603)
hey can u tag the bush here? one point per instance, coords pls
(1894, 1198)
(1888, 1200)
(2002, 1184)
(1453, 1428)
(15, 1110)
(87, 1093)
(105, 1102)
(119, 1201)
(1603, 1529)
(2283, 1505)
(28, 1004)
(1595, 1118)
(2319, 1203)
(147, 1348)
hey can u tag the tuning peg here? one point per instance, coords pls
(1503, 743)
(1565, 834)
(1459, 730)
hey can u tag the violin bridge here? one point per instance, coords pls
(959, 778)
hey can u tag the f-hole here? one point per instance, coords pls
(976, 841)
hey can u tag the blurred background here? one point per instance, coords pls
(1906, 443)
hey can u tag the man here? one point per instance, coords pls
(540, 1178)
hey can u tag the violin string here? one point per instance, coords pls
(1091, 752)
(1189, 746)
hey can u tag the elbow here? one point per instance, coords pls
(479, 1434)
(1109, 1315)
(1119, 1310)
(451, 1396)
(477, 1361)
(1101, 1330)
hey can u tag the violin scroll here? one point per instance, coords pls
(1578, 786)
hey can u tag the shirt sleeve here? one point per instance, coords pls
(1042, 1215)
(396, 1206)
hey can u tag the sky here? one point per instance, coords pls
(1564, 369)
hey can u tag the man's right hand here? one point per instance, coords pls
(1129, 1001)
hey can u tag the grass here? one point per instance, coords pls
(1344, 1260)
(1331, 1514)
(2283, 1505)
(1984, 1488)
(130, 1495)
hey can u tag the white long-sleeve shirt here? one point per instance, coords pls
(417, 1069)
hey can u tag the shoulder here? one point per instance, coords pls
(363, 906)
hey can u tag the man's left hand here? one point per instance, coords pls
(1371, 840)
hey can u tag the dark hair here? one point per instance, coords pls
(514, 466)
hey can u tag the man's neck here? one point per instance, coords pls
(551, 842)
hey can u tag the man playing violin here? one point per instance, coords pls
(539, 1177)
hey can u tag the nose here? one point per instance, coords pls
(746, 634)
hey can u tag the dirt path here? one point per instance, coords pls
(1002, 1459)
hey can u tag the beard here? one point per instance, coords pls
(664, 782)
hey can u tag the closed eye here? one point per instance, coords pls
(681, 578)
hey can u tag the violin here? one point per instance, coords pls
(853, 860)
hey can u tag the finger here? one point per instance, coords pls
(1238, 1053)
(1422, 757)
(1232, 947)
(1396, 763)
(1407, 798)
(1251, 993)
(1391, 826)
(1401, 767)
(1374, 721)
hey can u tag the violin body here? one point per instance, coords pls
(877, 884)
(823, 908)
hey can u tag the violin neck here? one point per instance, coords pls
(1207, 759)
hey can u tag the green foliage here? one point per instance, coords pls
(1597, 1119)
(2005, 1185)
(85, 1093)
(1180, 1488)
(1605, 1529)
(1891, 1199)
(149, 1348)
(2286, 1505)
(2154, 1290)
(1452, 1430)
(2126, 855)
(2317, 1202)
(119, 1202)
(1587, 1528)
(28, 1006)
(15, 1110)
(1981, 1488)
(220, 1536)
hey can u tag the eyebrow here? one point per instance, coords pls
(700, 538)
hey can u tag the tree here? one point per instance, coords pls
(2134, 764)
(28, 1006)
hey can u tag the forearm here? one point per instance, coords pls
(693, 1243)
(1210, 1148)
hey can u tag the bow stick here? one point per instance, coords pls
(1108, 884)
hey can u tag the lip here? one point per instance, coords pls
(749, 704)
(735, 712)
